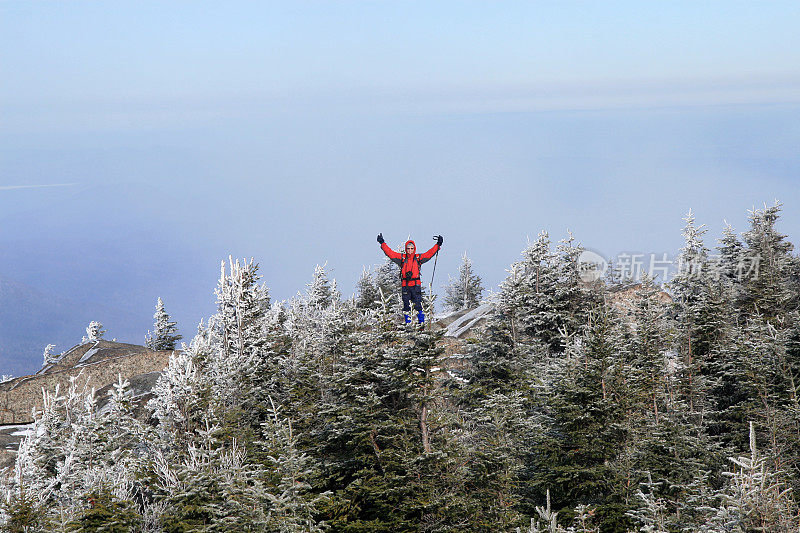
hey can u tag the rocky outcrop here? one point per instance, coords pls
(98, 361)
(627, 298)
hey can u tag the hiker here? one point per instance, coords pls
(410, 262)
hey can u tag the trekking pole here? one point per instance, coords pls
(436, 258)
(430, 285)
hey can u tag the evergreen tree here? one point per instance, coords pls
(701, 307)
(165, 331)
(359, 441)
(48, 356)
(45, 466)
(293, 505)
(770, 279)
(543, 295)
(753, 380)
(321, 292)
(435, 500)
(730, 261)
(209, 486)
(390, 457)
(24, 513)
(177, 394)
(73, 449)
(464, 292)
(526, 294)
(387, 277)
(582, 426)
(652, 514)
(94, 332)
(367, 293)
(105, 513)
(494, 426)
(756, 498)
(648, 350)
(237, 339)
(574, 300)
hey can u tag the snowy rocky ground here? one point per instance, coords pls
(461, 323)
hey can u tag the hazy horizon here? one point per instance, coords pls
(142, 144)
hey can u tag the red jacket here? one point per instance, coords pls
(409, 263)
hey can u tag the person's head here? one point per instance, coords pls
(411, 248)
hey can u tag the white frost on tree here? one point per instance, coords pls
(387, 277)
(236, 334)
(48, 356)
(464, 292)
(367, 292)
(756, 498)
(176, 391)
(165, 331)
(321, 293)
(94, 332)
(293, 504)
(73, 448)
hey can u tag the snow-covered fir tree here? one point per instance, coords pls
(94, 331)
(48, 356)
(702, 307)
(581, 424)
(543, 294)
(756, 498)
(464, 292)
(321, 292)
(177, 392)
(771, 273)
(387, 277)
(367, 292)
(165, 331)
(74, 450)
(235, 338)
(293, 504)
(731, 261)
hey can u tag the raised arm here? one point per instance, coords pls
(430, 253)
(391, 254)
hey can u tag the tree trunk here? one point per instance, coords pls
(423, 426)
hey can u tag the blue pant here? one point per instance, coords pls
(412, 293)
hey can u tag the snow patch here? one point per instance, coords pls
(456, 377)
(44, 369)
(469, 320)
(89, 353)
(17, 430)
(444, 315)
(15, 426)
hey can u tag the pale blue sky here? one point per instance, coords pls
(294, 132)
(62, 51)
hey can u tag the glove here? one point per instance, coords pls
(439, 240)
(380, 238)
